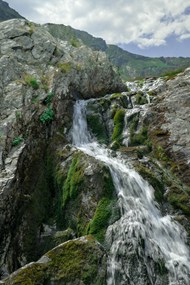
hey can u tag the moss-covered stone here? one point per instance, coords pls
(156, 183)
(97, 127)
(179, 199)
(73, 180)
(80, 261)
(118, 125)
(84, 186)
(100, 221)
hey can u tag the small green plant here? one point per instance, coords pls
(32, 27)
(65, 67)
(47, 116)
(31, 81)
(49, 98)
(16, 141)
(18, 115)
(160, 153)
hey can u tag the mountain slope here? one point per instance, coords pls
(7, 13)
(128, 65)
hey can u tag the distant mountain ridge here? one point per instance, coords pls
(7, 13)
(128, 65)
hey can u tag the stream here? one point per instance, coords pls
(144, 246)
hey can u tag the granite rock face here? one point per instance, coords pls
(40, 79)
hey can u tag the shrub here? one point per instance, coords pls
(31, 81)
(47, 116)
(16, 141)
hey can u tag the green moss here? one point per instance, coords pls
(140, 99)
(140, 138)
(153, 180)
(31, 275)
(100, 221)
(180, 200)
(65, 67)
(101, 218)
(31, 81)
(118, 125)
(77, 260)
(108, 186)
(133, 122)
(97, 127)
(73, 180)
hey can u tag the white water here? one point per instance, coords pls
(141, 231)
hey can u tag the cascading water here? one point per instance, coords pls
(144, 245)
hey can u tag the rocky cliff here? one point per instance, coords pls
(41, 77)
(58, 201)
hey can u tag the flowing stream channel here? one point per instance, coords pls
(145, 247)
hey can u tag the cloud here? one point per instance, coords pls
(145, 23)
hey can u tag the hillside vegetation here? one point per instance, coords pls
(128, 65)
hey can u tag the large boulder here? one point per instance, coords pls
(76, 262)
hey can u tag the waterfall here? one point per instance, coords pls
(143, 243)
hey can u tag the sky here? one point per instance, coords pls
(147, 27)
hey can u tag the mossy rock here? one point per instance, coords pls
(153, 180)
(80, 261)
(118, 125)
(179, 200)
(104, 211)
(97, 127)
(84, 185)
(50, 241)
(140, 98)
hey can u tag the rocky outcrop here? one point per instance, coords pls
(40, 79)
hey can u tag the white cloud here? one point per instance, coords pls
(145, 22)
